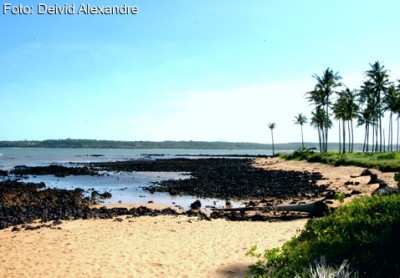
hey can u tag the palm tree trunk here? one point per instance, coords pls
(383, 138)
(319, 139)
(376, 136)
(348, 129)
(352, 136)
(302, 140)
(390, 135)
(368, 134)
(273, 145)
(340, 136)
(326, 124)
(398, 133)
(344, 137)
(365, 138)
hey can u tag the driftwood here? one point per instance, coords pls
(318, 208)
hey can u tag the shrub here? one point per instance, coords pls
(386, 162)
(365, 232)
(300, 154)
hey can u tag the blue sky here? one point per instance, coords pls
(184, 70)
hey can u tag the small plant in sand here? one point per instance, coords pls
(340, 196)
(320, 269)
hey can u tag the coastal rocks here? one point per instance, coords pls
(56, 170)
(227, 179)
(97, 197)
(3, 173)
(233, 179)
(23, 203)
(385, 189)
(195, 205)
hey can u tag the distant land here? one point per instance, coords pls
(200, 145)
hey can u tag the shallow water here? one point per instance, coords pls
(124, 187)
(127, 188)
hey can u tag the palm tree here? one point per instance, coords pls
(271, 126)
(318, 121)
(346, 109)
(379, 82)
(392, 104)
(398, 117)
(339, 110)
(365, 118)
(300, 119)
(368, 113)
(320, 97)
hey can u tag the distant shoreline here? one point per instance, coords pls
(193, 145)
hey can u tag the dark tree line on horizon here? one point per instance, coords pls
(332, 100)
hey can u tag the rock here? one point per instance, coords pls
(373, 179)
(385, 189)
(365, 172)
(195, 205)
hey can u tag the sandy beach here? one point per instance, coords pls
(162, 246)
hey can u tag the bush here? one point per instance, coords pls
(385, 162)
(300, 154)
(365, 232)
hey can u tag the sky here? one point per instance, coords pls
(184, 70)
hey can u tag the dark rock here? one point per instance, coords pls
(373, 179)
(195, 205)
(56, 170)
(365, 172)
(385, 189)
(224, 178)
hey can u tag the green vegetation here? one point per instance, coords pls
(364, 232)
(321, 98)
(88, 143)
(300, 119)
(109, 144)
(383, 161)
(368, 105)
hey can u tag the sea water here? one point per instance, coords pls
(125, 187)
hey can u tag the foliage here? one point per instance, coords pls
(90, 143)
(300, 154)
(364, 232)
(386, 162)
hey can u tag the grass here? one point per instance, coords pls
(383, 161)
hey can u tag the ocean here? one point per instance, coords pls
(125, 187)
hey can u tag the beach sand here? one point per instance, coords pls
(162, 246)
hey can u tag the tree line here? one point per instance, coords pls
(110, 144)
(367, 106)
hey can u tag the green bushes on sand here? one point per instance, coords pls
(385, 161)
(365, 232)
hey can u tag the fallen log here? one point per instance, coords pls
(318, 208)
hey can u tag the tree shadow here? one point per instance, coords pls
(233, 270)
